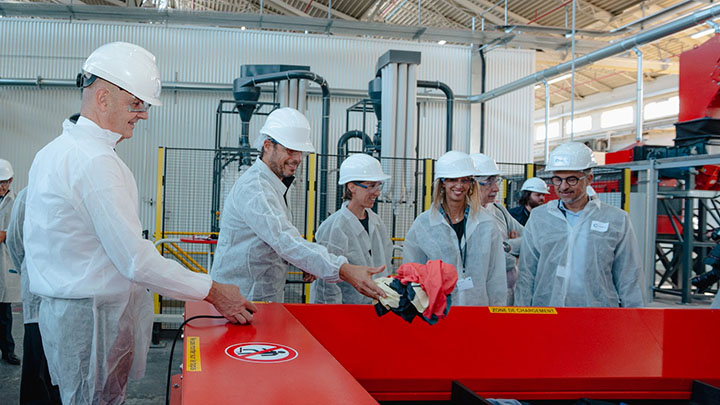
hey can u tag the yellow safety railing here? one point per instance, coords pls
(428, 184)
(310, 222)
(627, 179)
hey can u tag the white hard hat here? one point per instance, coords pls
(6, 171)
(485, 165)
(361, 167)
(128, 66)
(535, 184)
(289, 128)
(453, 165)
(571, 156)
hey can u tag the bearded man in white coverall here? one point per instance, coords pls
(85, 255)
(578, 251)
(257, 238)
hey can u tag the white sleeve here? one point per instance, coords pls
(412, 253)
(117, 226)
(266, 217)
(527, 268)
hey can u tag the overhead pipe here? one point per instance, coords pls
(642, 38)
(325, 134)
(547, 119)
(483, 81)
(449, 103)
(639, 105)
(342, 152)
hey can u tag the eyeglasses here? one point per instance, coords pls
(138, 105)
(373, 188)
(4, 183)
(463, 180)
(490, 180)
(571, 180)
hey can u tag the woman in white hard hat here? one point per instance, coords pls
(578, 251)
(488, 178)
(9, 275)
(354, 230)
(532, 194)
(457, 230)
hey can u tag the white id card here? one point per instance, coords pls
(598, 226)
(465, 283)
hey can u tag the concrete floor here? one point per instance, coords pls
(148, 391)
(151, 389)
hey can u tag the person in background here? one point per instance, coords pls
(354, 230)
(489, 177)
(532, 195)
(457, 230)
(35, 385)
(578, 251)
(84, 250)
(9, 274)
(257, 238)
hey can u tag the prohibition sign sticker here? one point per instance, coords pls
(261, 352)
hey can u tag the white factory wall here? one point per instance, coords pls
(508, 118)
(32, 116)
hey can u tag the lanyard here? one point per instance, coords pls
(463, 251)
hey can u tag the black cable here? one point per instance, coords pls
(172, 350)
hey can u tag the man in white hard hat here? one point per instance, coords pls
(489, 178)
(85, 254)
(355, 231)
(532, 194)
(257, 238)
(578, 251)
(9, 274)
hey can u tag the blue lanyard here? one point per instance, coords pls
(463, 251)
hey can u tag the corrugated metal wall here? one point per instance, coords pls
(31, 117)
(509, 134)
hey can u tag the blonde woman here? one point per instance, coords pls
(457, 230)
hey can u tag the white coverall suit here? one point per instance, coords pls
(596, 263)
(342, 233)
(257, 240)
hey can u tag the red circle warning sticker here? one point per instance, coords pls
(260, 352)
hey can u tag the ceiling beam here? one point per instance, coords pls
(619, 63)
(479, 10)
(514, 16)
(287, 8)
(336, 13)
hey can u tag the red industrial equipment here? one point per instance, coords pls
(347, 354)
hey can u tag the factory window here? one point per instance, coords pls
(580, 124)
(664, 108)
(553, 131)
(618, 116)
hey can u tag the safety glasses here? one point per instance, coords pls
(373, 188)
(571, 180)
(289, 151)
(4, 183)
(490, 180)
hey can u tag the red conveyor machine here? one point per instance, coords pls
(331, 354)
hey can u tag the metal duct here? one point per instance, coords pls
(620, 47)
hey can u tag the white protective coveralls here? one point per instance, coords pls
(507, 223)
(87, 260)
(30, 301)
(431, 238)
(593, 264)
(342, 233)
(257, 240)
(10, 275)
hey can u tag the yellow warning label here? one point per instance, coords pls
(193, 354)
(522, 310)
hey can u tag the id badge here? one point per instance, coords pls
(465, 283)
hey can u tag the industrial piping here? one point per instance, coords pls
(450, 101)
(325, 134)
(342, 152)
(622, 46)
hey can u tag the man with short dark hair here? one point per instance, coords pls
(578, 251)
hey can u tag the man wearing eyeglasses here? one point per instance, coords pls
(84, 250)
(257, 239)
(578, 251)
